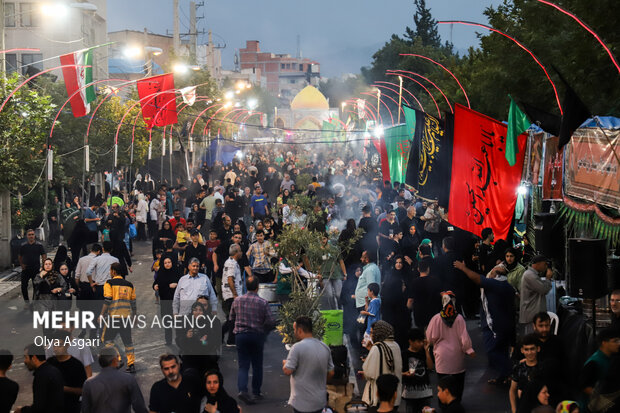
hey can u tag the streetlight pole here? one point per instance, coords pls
(400, 96)
(378, 103)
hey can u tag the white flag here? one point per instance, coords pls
(189, 95)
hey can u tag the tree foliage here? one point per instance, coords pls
(425, 26)
(498, 66)
(24, 123)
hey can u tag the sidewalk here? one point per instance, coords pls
(11, 278)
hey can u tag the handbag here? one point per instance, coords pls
(602, 402)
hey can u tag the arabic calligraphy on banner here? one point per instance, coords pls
(592, 170)
(483, 188)
(429, 147)
(430, 159)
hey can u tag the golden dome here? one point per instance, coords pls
(309, 98)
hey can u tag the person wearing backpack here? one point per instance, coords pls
(384, 357)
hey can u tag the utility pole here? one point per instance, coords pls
(193, 34)
(176, 39)
(149, 55)
(5, 197)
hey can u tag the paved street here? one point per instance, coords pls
(478, 397)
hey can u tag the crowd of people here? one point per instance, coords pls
(406, 281)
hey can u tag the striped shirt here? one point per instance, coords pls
(99, 268)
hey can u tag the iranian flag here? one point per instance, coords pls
(76, 78)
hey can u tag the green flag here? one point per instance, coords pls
(410, 119)
(397, 144)
(517, 124)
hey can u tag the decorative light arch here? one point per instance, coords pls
(585, 26)
(404, 98)
(444, 68)
(405, 89)
(400, 72)
(518, 43)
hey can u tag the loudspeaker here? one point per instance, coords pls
(613, 276)
(588, 267)
(549, 238)
(543, 226)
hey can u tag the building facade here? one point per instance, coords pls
(56, 31)
(285, 76)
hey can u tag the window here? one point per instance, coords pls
(288, 65)
(10, 62)
(282, 66)
(292, 81)
(301, 67)
(32, 59)
(29, 15)
(9, 14)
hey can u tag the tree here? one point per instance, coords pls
(425, 26)
(24, 124)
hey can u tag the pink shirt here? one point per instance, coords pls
(450, 344)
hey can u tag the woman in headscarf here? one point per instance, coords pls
(513, 269)
(447, 333)
(394, 301)
(535, 394)
(428, 242)
(409, 245)
(49, 287)
(216, 398)
(61, 257)
(166, 284)
(165, 233)
(384, 357)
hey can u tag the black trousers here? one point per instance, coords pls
(141, 231)
(27, 275)
(228, 325)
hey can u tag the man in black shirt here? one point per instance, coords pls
(175, 392)
(8, 388)
(30, 256)
(47, 389)
(195, 249)
(72, 370)
(369, 224)
(487, 256)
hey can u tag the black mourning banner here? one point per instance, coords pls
(430, 160)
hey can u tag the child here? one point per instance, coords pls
(417, 361)
(155, 268)
(105, 234)
(372, 311)
(183, 238)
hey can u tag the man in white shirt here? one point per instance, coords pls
(231, 287)
(153, 208)
(98, 271)
(85, 291)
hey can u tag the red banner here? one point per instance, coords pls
(158, 100)
(483, 187)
